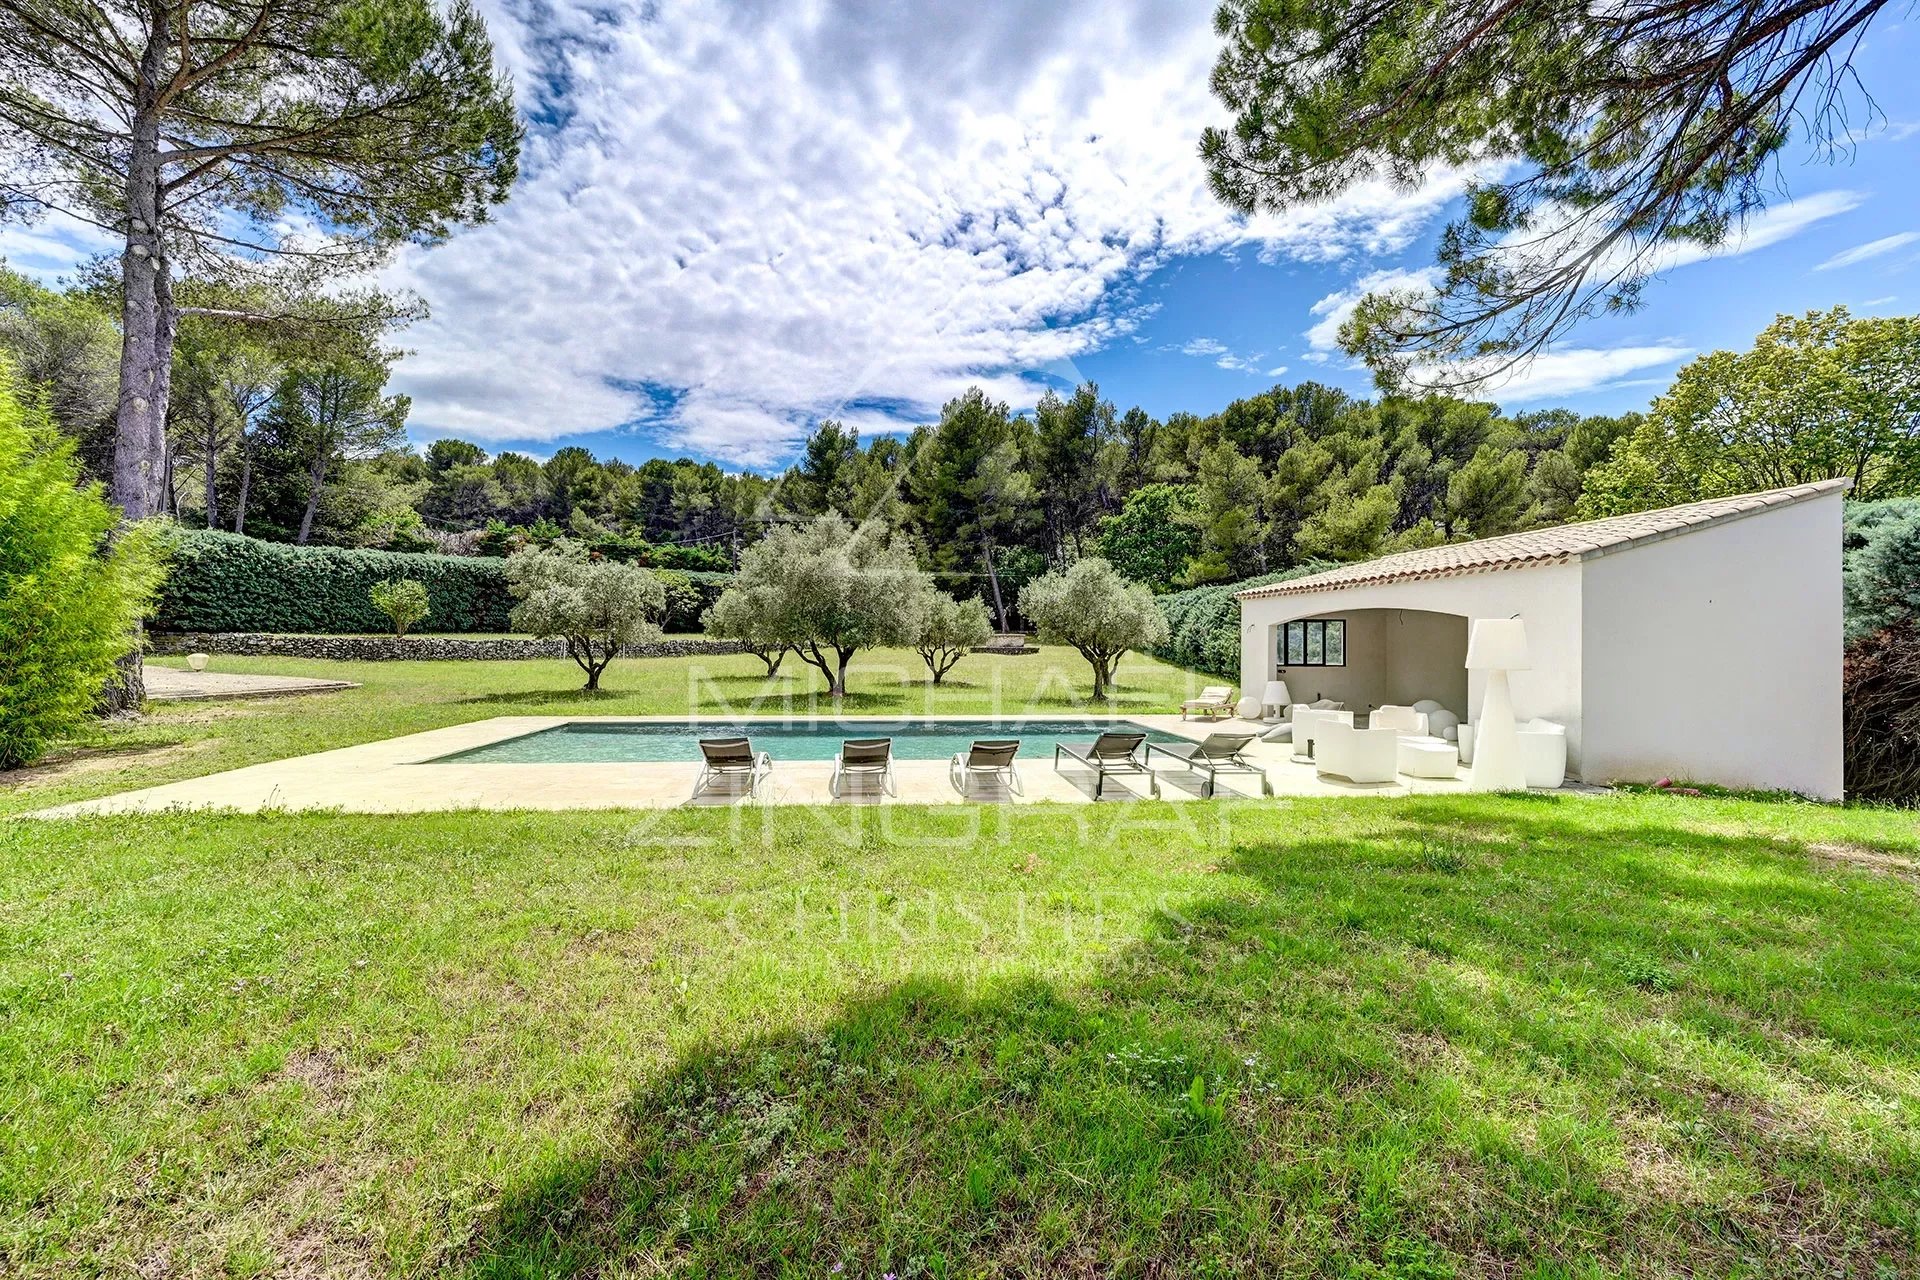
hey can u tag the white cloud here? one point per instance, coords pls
(755, 215)
(1336, 309)
(1882, 301)
(1571, 371)
(1871, 249)
(1202, 347)
(52, 246)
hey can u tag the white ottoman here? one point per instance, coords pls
(1428, 758)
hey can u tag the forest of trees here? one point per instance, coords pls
(301, 442)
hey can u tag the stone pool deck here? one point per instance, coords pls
(390, 777)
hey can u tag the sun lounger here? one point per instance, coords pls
(1219, 753)
(1214, 700)
(867, 757)
(731, 758)
(987, 759)
(1109, 753)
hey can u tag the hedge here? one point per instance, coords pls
(226, 582)
(1203, 624)
(412, 648)
(229, 582)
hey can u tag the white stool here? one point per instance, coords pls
(1427, 758)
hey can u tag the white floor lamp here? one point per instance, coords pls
(1497, 646)
(1276, 697)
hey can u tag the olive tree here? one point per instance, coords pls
(747, 616)
(596, 606)
(947, 629)
(835, 589)
(1091, 607)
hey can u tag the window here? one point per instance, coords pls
(1314, 642)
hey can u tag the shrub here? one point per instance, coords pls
(229, 582)
(404, 601)
(596, 606)
(1203, 625)
(71, 594)
(1882, 715)
(1882, 564)
(1098, 612)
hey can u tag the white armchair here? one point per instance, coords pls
(1358, 755)
(1543, 753)
(1405, 721)
(1308, 723)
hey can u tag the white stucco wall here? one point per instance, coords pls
(1715, 655)
(1547, 597)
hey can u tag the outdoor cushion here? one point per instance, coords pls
(1428, 705)
(1279, 733)
(1443, 724)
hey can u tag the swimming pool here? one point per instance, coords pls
(630, 742)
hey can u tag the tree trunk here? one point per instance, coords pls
(146, 356)
(316, 481)
(1100, 677)
(839, 689)
(993, 580)
(146, 347)
(240, 500)
(213, 515)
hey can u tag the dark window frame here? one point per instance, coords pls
(1304, 630)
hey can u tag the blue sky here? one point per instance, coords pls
(734, 220)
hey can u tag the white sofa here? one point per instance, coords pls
(1358, 755)
(1405, 721)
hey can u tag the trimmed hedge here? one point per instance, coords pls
(229, 582)
(411, 648)
(1203, 624)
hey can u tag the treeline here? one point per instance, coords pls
(284, 438)
(288, 433)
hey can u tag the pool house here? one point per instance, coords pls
(1698, 642)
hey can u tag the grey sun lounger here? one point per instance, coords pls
(988, 758)
(1109, 753)
(1219, 753)
(731, 758)
(872, 757)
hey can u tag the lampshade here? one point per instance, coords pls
(1275, 694)
(1498, 644)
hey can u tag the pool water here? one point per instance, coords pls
(585, 742)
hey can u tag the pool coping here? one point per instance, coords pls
(405, 775)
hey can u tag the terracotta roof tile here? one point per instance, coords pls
(1556, 545)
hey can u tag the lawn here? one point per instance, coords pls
(1550, 1036)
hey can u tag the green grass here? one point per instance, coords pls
(184, 740)
(1542, 1037)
